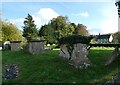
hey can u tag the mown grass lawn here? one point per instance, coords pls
(48, 68)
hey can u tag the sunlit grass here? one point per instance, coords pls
(48, 68)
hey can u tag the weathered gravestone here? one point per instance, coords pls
(15, 45)
(74, 49)
(36, 46)
(78, 56)
(115, 54)
(10, 71)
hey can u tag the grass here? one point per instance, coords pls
(48, 68)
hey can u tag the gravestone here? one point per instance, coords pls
(115, 54)
(15, 45)
(78, 57)
(36, 46)
(10, 71)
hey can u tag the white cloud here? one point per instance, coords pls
(94, 31)
(84, 14)
(20, 20)
(17, 22)
(47, 13)
(37, 20)
(41, 17)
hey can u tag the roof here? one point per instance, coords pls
(36, 41)
(104, 36)
(15, 41)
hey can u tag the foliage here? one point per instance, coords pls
(61, 27)
(10, 32)
(48, 68)
(29, 28)
(116, 37)
(56, 28)
(75, 39)
(118, 4)
(81, 29)
(48, 32)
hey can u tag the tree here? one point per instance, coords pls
(29, 28)
(118, 4)
(62, 27)
(56, 28)
(116, 37)
(10, 32)
(81, 29)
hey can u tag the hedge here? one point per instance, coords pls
(74, 39)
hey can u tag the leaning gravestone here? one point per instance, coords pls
(74, 50)
(78, 56)
(115, 54)
(36, 46)
(15, 45)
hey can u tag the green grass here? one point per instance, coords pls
(48, 68)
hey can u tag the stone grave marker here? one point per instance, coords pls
(78, 56)
(10, 71)
(36, 46)
(15, 45)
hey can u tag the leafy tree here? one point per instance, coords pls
(29, 28)
(62, 27)
(116, 37)
(10, 32)
(118, 4)
(56, 28)
(80, 29)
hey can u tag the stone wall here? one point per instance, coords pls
(36, 46)
(15, 45)
(78, 56)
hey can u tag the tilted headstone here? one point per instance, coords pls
(36, 46)
(115, 54)
(78, 57)
(15, 45)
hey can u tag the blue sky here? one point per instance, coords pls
(99, 17)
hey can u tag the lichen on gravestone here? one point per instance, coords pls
(78, 57)
(10, 71)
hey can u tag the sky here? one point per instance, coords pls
(99, 17)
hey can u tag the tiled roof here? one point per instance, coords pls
(105, 36)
